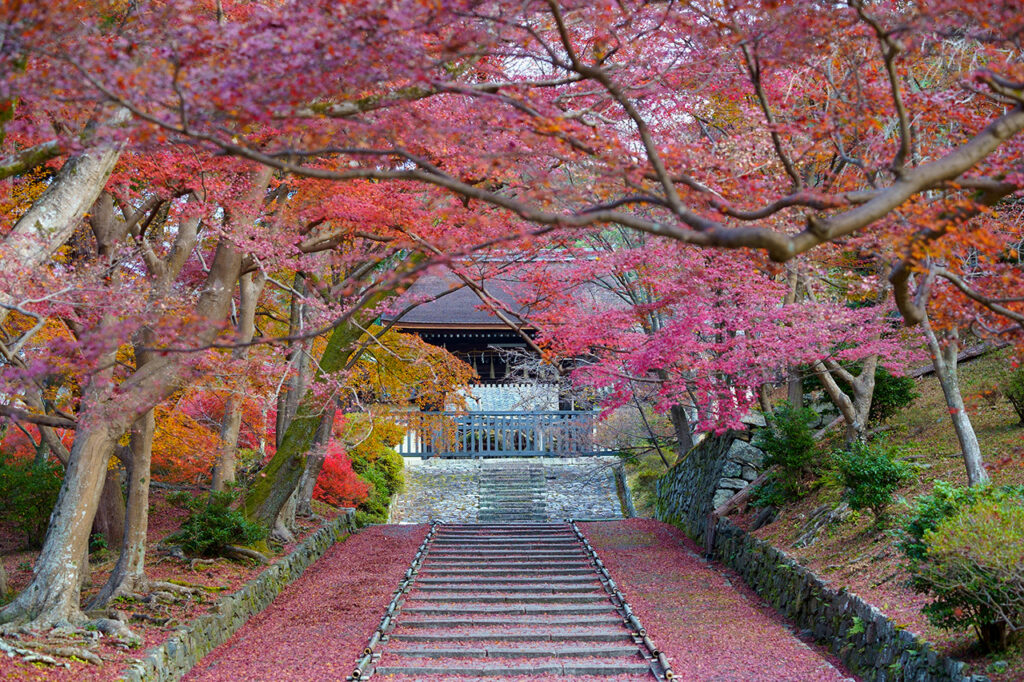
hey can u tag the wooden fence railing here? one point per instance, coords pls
(499, 434)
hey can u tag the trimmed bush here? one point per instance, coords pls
(212, 524)
(871, 474)
(788, 443)
(974, 570)
(28, 491)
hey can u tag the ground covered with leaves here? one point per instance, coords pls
(151, 621)
(708, 624)
(318, 625)
(852, 552)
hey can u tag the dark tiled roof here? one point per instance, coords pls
(460, 308)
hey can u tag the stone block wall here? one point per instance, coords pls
(866, 641)
(176, 656)
(713, 471)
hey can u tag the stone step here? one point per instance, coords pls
(590, 620)
(506, 562)
(592, 651)
(498, 587)
(533, 670)
(487, 528)
(511, 609)
(541, 581)
(497, 598)
(532, 635)
(473, 557)
(464, 571)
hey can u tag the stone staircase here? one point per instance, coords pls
(512, 494)
(509, 600)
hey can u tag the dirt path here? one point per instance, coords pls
(710, 628)
(319, 623)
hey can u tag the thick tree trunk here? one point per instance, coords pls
(289, 399)
(109, 521)
(53, 217)
(249, 288)
(794, 388)
(129, 576)
(944, 359)
(53, 596)
(681, 425)
(314, 464)
(854, 411)
(3, 580)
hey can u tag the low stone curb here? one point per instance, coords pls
(176, 656)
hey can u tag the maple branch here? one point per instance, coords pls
(754, 69)
(890, 50)
(40, 419)
(978, 297)
(29, 158)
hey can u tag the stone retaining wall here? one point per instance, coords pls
(867, 642)
(176, 656)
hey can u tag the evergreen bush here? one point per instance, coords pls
(788, 443)
(871, 473)
(1012, 387)
(28, 491)
(212, 525)
(974, 570)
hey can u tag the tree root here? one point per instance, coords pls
(28, 655)
(192, 563)
(246, 553)
(65, 652)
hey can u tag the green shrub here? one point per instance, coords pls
(788, 443)
(381, 467)
(1012, 387)
(212, 524)
(974, 572)
(28, 492)
(892, 394)
(871, 473)
(945, 501)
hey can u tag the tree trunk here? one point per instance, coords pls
(795, 388)
(284, 525)
(855, 411)
(109, 521)
(298, 358)
(681, 424)
(944, 359)
(280, 476)
(53, 596)
(129, 574)
(53, 217)
(314, 463)
(3, 580)
(249, 288)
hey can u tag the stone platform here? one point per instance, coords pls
(499, 489)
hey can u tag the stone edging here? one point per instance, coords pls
(867, 642)
(864, 639)
(176, 656)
